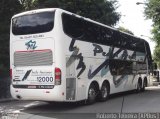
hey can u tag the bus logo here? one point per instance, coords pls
(31, 45)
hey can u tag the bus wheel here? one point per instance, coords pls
(104, 92)
(92, 93)
(144, 85)
(139, 86)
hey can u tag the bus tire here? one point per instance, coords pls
(104, 92)
(139, 86)
(144, 84)
(92, 93)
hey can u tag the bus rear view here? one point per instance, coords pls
(56, 55)
(34, 75)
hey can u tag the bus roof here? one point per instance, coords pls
(34, 11)
(90, 20)
(87, 19)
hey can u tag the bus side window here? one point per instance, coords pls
(120, 67)
(73, 26)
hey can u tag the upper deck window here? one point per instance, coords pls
(82, 29)
(33, 23)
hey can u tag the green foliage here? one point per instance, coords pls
(125, 30)
(7, 9)
(152, 11)
(157, 55)
(156, 34)
(28, 4)
(103, 11)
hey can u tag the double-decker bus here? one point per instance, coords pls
(59, 56)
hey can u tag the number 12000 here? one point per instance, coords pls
(45, 79)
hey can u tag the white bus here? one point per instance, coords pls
(59, 56)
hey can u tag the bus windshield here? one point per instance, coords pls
(33, 23)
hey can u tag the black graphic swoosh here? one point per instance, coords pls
(26, 75)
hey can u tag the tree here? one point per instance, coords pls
(152, 11)
(7, 10)
(125, 30)
(28, 4)
(103, 11)
(156, 55)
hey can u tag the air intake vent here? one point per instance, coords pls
(33, 58)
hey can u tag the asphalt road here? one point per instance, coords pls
(130, 102)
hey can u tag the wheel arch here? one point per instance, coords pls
(106, 82)
(96, 84)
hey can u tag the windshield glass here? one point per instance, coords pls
(33, 23)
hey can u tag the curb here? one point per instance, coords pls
(7, 100)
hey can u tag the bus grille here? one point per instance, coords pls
(33, 58)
